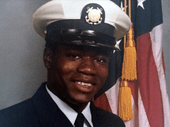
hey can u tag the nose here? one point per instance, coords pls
(87, 66)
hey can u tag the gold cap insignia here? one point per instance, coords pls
(94, 16)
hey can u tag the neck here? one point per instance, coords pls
(78, 107)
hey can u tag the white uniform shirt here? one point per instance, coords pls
(70, 113)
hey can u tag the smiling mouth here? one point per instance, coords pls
(84, 84)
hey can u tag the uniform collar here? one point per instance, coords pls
(68, 111)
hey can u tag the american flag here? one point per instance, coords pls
(149, 96)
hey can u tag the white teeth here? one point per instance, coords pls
(84, 84)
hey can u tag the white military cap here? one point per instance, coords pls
(102, 20)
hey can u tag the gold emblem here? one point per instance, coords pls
(94, 16)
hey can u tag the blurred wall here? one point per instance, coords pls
(21, 50)
(166, 40)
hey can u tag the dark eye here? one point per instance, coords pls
(74, 55)
(103, 60)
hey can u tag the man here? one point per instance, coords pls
(80, 42)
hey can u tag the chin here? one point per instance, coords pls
(81, 99)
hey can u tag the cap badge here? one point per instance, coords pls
(94, 16)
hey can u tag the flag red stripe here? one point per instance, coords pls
(149, 82)
(102, 102)
(134, 89)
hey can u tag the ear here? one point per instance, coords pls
(47, 58)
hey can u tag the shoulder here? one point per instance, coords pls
(20, 114)
(108, 119)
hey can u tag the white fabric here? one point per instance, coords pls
(70, 113)
(143, 119)
(112, 96)
(56, 10)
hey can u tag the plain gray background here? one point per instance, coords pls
(21, 50)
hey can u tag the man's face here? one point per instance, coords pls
(77, 73)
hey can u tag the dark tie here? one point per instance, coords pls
(79, 120)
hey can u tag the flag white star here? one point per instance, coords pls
(121, 6)
(117, 44)
(140, 3)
